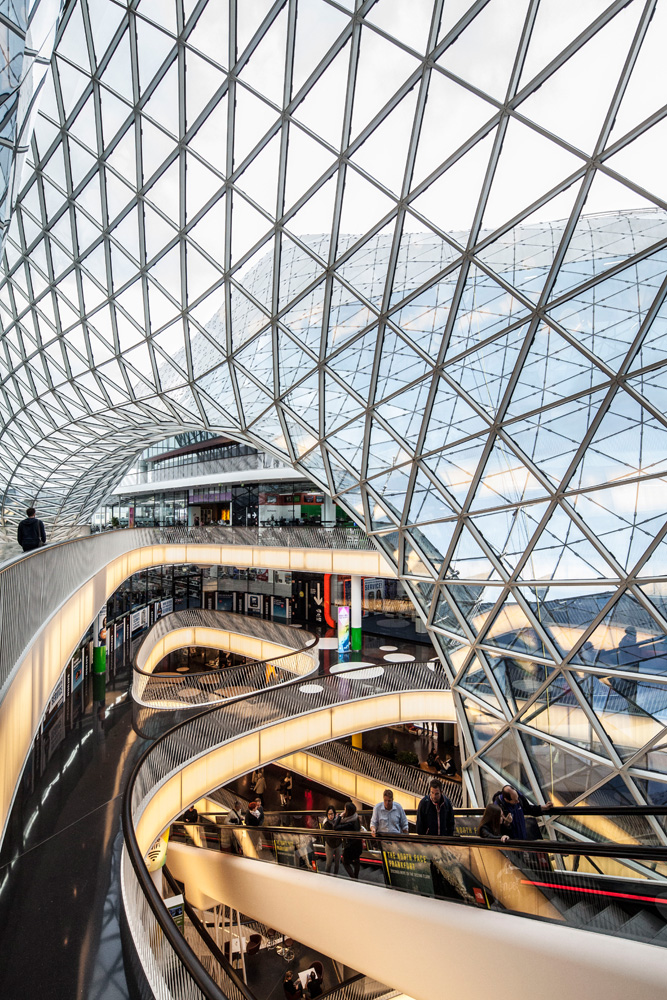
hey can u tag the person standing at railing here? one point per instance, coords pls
(516, 807)
(31, 533)
(388, 816)
(435, 815)
(352, 848)
(255, 814)
(491, 826)
(332, 845)
(260, 785)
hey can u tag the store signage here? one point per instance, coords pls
(176, 907)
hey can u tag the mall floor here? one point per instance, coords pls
(59, 864)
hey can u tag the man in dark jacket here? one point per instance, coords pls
(31, 533)
(516, 807)
(435, 816)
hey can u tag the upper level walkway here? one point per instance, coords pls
(50, 597)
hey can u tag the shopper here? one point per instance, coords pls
(292, 987)
(190, 815)
(286, 790)
(388, 816)
(235, 815)
(255, 814)
(314, 987)
(31, 532)
(332, 845)
(352, 848)
(492, 824)
(435, 816)
(516, 807)
(260, 785)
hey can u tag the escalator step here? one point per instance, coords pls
(644, 925)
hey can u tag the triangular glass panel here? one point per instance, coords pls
(512, 628)
(624, 518)
(427, 502)
(210, 34)
(253, 398)
(381, 69)
(392, 488)
(210, 139)
(420, 257)
(297, 271)
(516, 184)
(484, 726)
(629, 442)
(456, 467)
(452, 418)
(476, 681)
(354, 364)
(247, 319)
(450, 201)
(265, 70)
(153, 48)
(104, 22)
(348, 441)
(646, 92)
(503, 758)
(383, 450)
(73, 83)
(342, 479)
(484, 308)
(562, 553)
(557, 713)
(252, 120)
(304, 319)
(563, 775)
(257, 358)
(652, 348)
(517, 677)
(504, 22)
(506, 480)
(302, 440)
(201, 185)
(315, 35)
(304, 400)
(451, 116)
(364, 205)
(606, 317)
(424, 319)
(552, 437)
(340, 406)
(551, 33)
(508, 531)
(312, 223)
(632, 713)
(405, 411)
(413, 565)
(484, 374)
(293, 361)
(469, 562)
(163, 104)
(394, 133)
(552, 370)
(399, 365)
(598, 244)
(248, 227)
(638, 161)
(209, 232)
(474, 601)
(323, 108)
(365, 269)
(595, 68)
(628, 638)
(445, 617)
(307, 160)
(259, 180)
(201, 276)
(202, 82)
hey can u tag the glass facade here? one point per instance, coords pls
(418, 252)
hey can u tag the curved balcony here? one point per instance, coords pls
(49, 598)
(276, 654)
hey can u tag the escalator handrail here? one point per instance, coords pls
(605, 850)
(477, 810)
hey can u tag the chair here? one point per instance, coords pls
(271, 937)
(255, 939)
(252, 949)
(288, 950)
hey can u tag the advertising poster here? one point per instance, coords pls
(280, 609)
(408, 868)
(176, 908)
(284, 848)
(253, 604)
(77, 669)
(224, 601)
(139, 620)
(343, 629)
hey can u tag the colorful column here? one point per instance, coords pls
(100, 643)
(355, 612)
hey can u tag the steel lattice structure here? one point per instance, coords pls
(352, 232)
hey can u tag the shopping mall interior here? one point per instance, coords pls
(333, 455)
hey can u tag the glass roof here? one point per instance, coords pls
(417, 250)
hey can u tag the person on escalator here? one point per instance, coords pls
(492, 826)
(435, 816)
(352, 848)
(516, 807)
(255, 814)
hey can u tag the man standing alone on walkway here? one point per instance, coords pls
(388, 816)
(31, 533)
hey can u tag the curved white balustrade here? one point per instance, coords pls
(49, 598)
(278, 654)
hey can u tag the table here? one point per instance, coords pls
(304, 976)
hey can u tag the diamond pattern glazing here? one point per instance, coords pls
(420, 252)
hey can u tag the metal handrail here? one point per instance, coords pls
(170, 690)
(215, 727)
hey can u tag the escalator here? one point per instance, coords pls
(614, 889)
